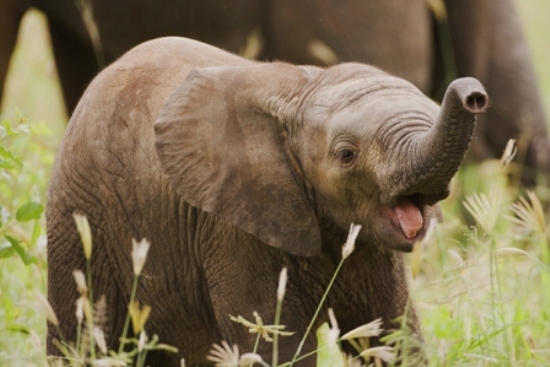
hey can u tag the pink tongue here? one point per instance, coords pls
(409, 216)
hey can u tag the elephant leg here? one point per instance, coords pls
(65, 255)
(243, 281)
(75, 61)
(389, 302)
(489, 45)
(11, 12)
(517, 107)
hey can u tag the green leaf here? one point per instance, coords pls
(35, 233)
(8, 130)
(8, 160)
(24, 255)
(3, 132)
(29, 211)
(10, 311)
(18, 328)
(7, 164)
(6, 252)
(328, 351)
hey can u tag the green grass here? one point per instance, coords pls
(478, 307)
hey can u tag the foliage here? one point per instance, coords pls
(24, 163)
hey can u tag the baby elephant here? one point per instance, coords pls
(234, 169)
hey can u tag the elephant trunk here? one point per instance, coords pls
(437, 154)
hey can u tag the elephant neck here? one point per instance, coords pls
(334, 237)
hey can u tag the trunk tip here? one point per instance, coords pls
(471, 93)
(476, 102)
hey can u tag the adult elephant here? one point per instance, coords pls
(398, 36)
(234, 169)
(122, 24)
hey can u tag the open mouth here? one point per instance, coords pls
(405, 218)
(408, 214)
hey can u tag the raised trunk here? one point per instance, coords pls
(437, 155)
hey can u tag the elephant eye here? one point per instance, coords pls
(346, 155)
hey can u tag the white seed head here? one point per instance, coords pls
(322, 52)
(334, 331)
(224, 355)
(139, 254)
(373, 328)
(80, 310)
(99, 338)
(83, 227)
(142, 340)
(485, 209)
(438, 9)
(384, 352)
(80, 280)
(529, 214)
(349, 246)
(510, 251)
(509, 153)
(138, 315)
(47, 308)
(248, 359)
(281, 289)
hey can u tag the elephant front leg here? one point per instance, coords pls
(363, 296)
(245, 283)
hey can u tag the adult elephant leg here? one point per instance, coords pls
(489, 45)
(360, 31)
(11, 12)
(75, 61)
(517, 107)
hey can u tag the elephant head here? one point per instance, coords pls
(281, 150)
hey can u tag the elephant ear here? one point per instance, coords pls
(221, 139)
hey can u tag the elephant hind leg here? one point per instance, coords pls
(11, 13)
(75, 61)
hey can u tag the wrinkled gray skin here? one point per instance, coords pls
(398, 36)
(234, 169)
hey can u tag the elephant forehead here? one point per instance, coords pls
(383, 107)
(354, 93)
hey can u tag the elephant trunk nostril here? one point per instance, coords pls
(476, 102)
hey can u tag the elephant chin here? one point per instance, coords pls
(405, 222)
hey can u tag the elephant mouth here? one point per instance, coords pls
(408, 219)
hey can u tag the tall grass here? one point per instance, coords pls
(484, 293)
